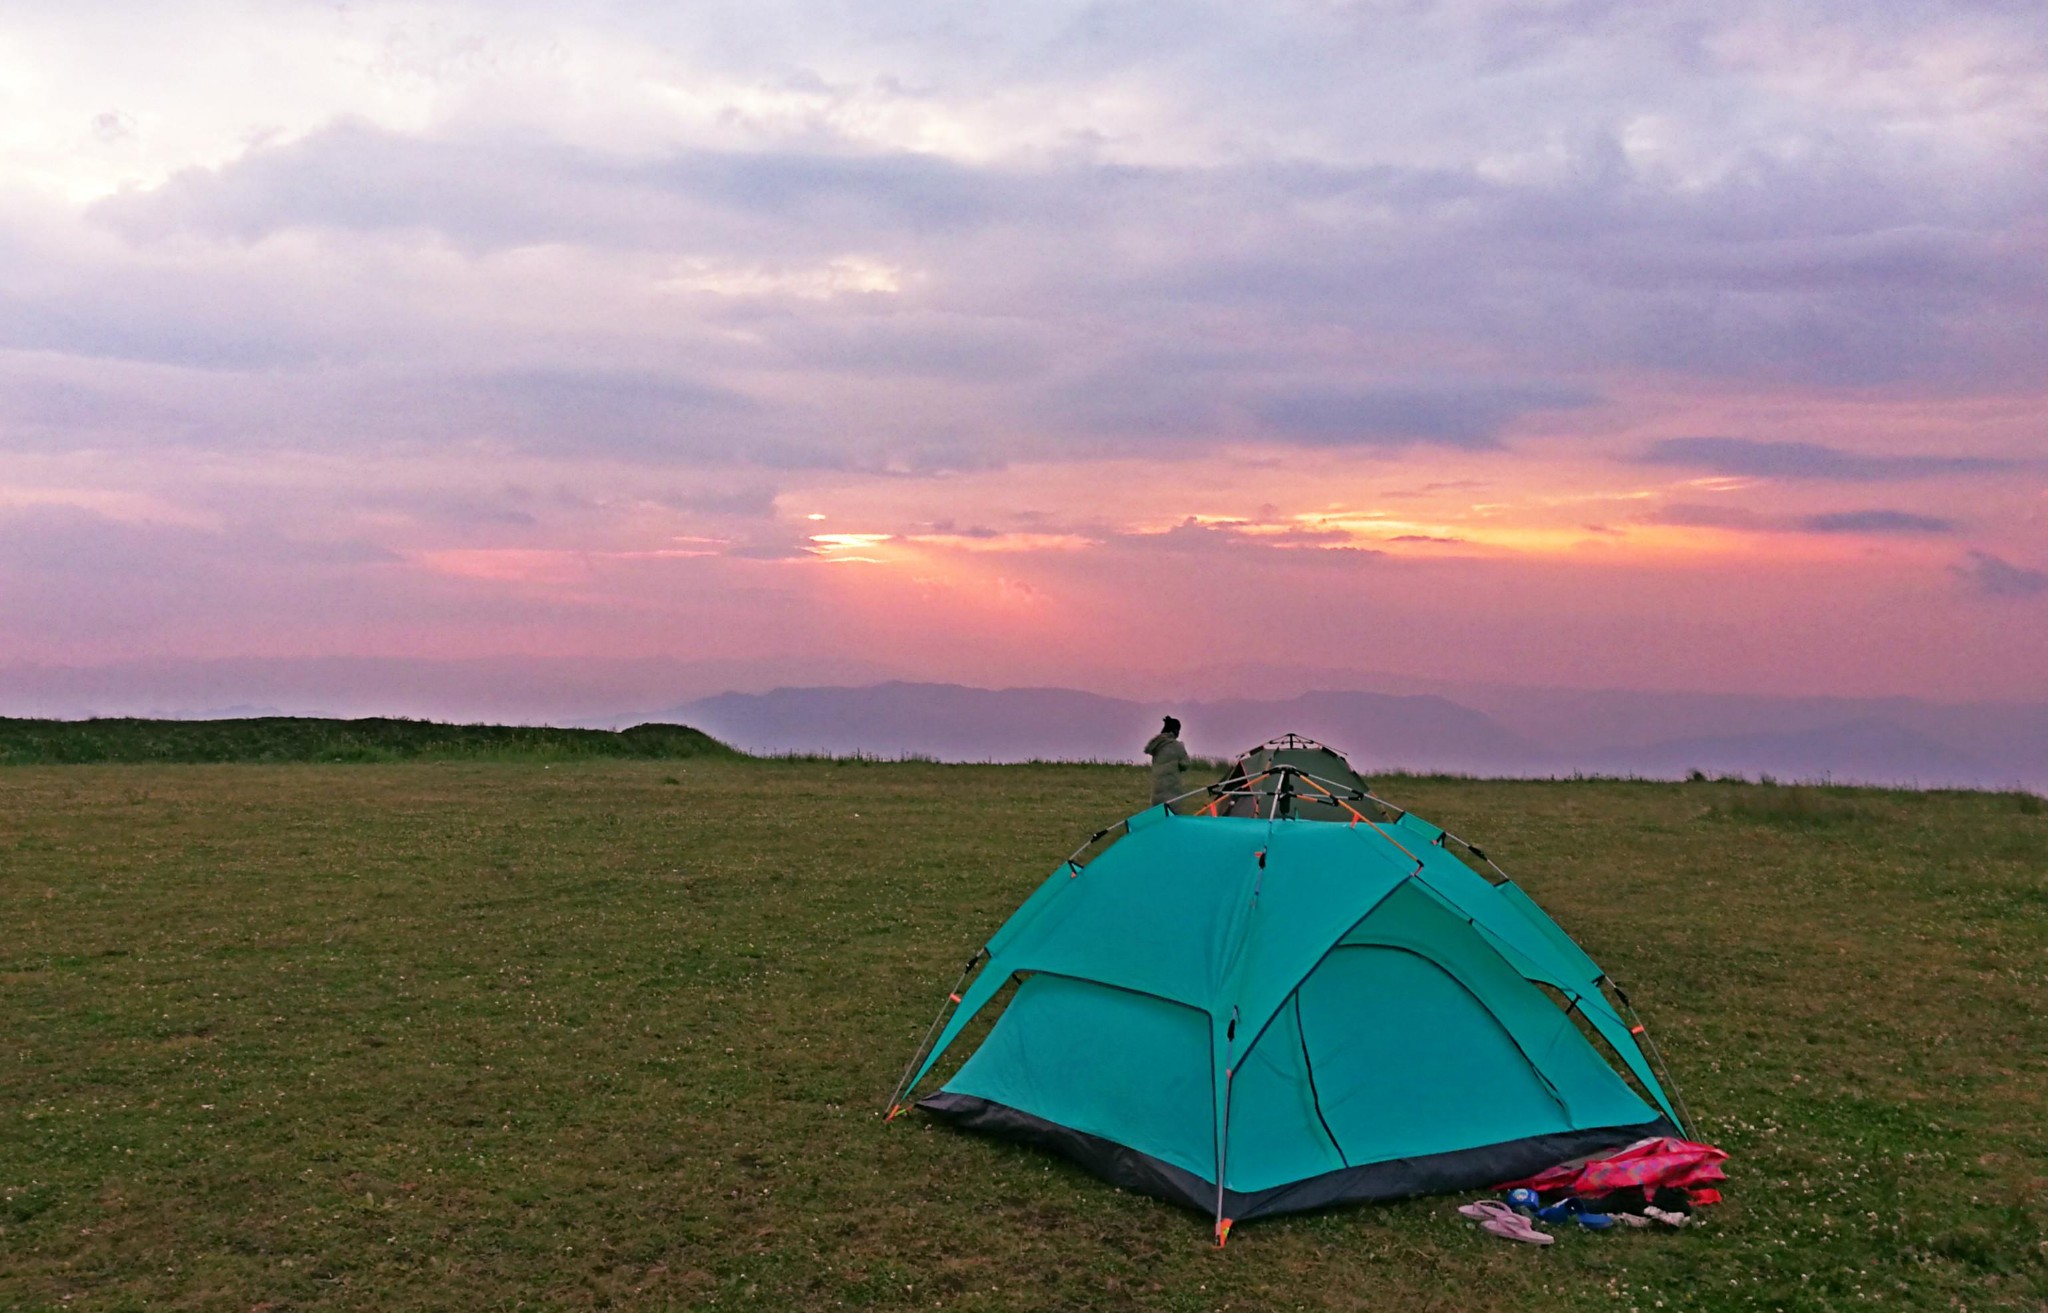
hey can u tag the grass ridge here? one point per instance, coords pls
(276, 740)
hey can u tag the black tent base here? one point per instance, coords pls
(1479, 1168)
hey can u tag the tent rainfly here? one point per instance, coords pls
(1255, 786)
(1252, 1014)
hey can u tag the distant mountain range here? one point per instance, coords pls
(1383, 720)
(1538, 731)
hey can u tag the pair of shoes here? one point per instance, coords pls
(1668, 1218)
(1572, 1210)
(1498, 1219)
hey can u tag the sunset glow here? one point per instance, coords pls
(1049, 345)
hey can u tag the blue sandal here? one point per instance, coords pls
(1573, 1210)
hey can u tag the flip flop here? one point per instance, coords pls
(1479, 1210)
(1515, 1227)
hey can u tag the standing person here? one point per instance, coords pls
(1168, 756)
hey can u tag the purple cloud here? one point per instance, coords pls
(1470, 416)
(1194, 535)
(1991, 576)
(753, 501)
(1862, 273)
(1881, 522)
(499, 190)
(1704, 515)
(1750, 458)
(1875, 522)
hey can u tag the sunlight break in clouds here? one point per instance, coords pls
(1511, 341)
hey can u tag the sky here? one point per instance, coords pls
(1634, 344)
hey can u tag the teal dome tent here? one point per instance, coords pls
(1322, 785)
(1256, 1014)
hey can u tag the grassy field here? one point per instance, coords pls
(616, 1034)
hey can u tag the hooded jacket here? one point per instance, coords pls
(1168, 757)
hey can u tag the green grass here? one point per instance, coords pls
(616, 1034)
(314, 739)
(1800, 807)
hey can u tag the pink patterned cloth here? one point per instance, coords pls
(1657, 1163)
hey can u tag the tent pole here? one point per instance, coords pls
(1223, 1162)
(1662, 1068)
(902, 1090)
